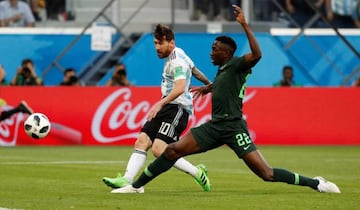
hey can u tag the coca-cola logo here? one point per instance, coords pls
(129, 116)
(9, 128)
(119, 118)
(124, 114)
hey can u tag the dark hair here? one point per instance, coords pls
(287, 68)
(68, 70)
(227, 41)
(26, 61)
(163, 32)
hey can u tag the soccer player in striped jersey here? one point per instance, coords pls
(168, 118)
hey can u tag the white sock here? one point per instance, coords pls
(136, 162)
(186, 166)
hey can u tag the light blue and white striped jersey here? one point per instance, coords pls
(178, 66)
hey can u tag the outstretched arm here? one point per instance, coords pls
(255, 55)
(200, 76)
(200, 91)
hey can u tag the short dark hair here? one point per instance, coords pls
(26, 61)
(287, 68)
(161, 31)
(228, 41)
(68, 70)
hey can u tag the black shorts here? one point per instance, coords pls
(168, 123)
(232, 133)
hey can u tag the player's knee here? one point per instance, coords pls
(143, 142)
(267, 175)
(156, 151)
(171, 152)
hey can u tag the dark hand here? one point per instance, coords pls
(239, 14)
(200, 91)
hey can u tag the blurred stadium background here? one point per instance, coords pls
(321, 55)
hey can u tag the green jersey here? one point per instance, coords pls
(229, 90)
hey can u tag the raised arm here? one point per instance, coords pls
(255, 55)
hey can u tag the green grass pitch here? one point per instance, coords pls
(42, 178)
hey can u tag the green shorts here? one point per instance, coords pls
(233, 133)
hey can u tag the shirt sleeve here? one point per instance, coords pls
(28, 16)
(179, 72)
(191, 63)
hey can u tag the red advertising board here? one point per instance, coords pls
(114, 116)
(304, 115)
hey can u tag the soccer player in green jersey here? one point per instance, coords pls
(227, 125)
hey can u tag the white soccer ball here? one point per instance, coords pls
(37, 126)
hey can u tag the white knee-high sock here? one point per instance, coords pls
(186, 166)
(136, 162)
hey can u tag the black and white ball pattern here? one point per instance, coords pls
(37, 126)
